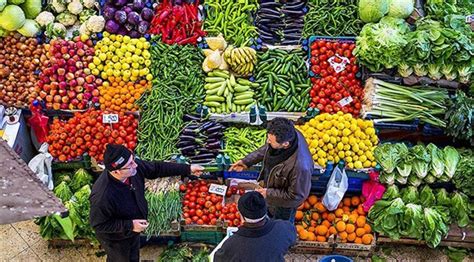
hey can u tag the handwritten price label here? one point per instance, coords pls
(110, 118)
(345, 101)
(218, 189)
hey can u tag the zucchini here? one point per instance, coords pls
(214, 79)
(212, 104)
(239, 88)
(214, 99)
(243, 102)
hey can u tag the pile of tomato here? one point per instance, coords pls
(86, 133)
(204, 208)
(330, 87)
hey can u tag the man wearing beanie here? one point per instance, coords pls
(286, 168)
(118, 207)
(259, 239)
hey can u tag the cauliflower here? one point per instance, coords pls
(83, 30)
(75, 7)
(44, 18)
(58, 6)
(96, 23)
(86, 14)
(89, 3)
(55, 30)
(66, 18)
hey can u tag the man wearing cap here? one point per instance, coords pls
(259, 239)
(118, 206)
(287, 166)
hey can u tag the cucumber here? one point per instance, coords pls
(212, 91)
(214, 99)
(234, 107)
(239, 88)
(212, 86)
(243, 102)
(221, 90)
(244, 82)
(221, 74)
(244, 97)
(229, 86)
(212, 104)
(214, 79)
(232, 80)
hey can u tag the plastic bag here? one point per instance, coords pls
(41, 165)
(336, 188)
(372, 190)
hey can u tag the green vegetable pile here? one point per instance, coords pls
(284, 85)
(441, 8)
(177, 84)
(332, 18)
(413, 166)
(19, 15)
(76, 224)
(464, 177)
(239, 142)
(233, 19)
(183, 253)
(460, 118)
(424, 215)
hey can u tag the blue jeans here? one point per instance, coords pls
(283, 213)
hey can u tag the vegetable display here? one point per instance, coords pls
(201, 141)
(332, 18)
(178, 24)
(441, 8)
(460, 117)
(347, 223)
(19, 16)
(234, 21)
(66, 82)
(282, 76)
(125, 17)
(382, 101)
(226, 93)
(413, 166)
(20, 59)
(177, 84)
(85, 133)
(341, 137)
(280, 23)
(239, 142)
(122, 56)
(335, 86)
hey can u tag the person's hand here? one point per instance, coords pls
(262, 191)
(196, 170)
(139, 225)
(238, 166)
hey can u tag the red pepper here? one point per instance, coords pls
(189, 40)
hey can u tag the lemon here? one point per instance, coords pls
(110, 72)
(325, 148)
(142, 39)
(95, 72)
(320, 143)
(134, 41)
(370, 131)
(91, 66)
(340, 126)
(330, 158)
(374, 164)
(363, 158)
(128, 54)
(102, 57)
(321, 153)
(146, 45)
(341, 154)
(135, 72)
(312, 150)
(326, 138)
(340, 146)
(138, 52)
(327, 125)
(149, 77)
(348, 153)
(117, 66)
(106, 34)
(346, 132)
(109, 55)
(367, 164)
(117, 73)
(332, 140)
(351, 165)
(345, 140)
(315, 157)
(321, 162)
(348, 159)
(100, 67)
(348, 117)
(340, 113)
(112, 37)
(144, 71)
(103, 75)
(358, 165)
(320, 126)
(334, 132)
(330, 146)
(352, 140)
(119, 38)
(347, 147)
(133, 78)
(314, 144)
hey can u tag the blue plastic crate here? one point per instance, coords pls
(429, 130)
(320, 185)
(335, 258)
(247, 175)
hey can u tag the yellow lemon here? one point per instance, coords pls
(367, 164)
(358, 165)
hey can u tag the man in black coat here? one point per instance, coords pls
(118, 206)
(259, 239)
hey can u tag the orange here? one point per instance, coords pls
(321, 239)
(300, 207)
(303, 234)
(355, 200)
(358, 240)
(346, 209)
(339, 212)
(360, 232)
(367, 228)
(315, 216)
(361, 221)
(322, 230)
(311, 229)
(360, 210)
(332, 231)
(307, 205)
(312, 236)
(326, 224)
(299, 228)
(298, 215)
(341, 226)
(346, 201)
(312, 200)
(350, 228)
(367, 239)
(313, 223)
(351, 237)
(353, 218)
(343, 235)
(331, 217)
(320, 207)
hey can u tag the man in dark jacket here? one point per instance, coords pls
(259, 239)
(118, 206)
(286, 170)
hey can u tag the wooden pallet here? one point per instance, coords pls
(355, 250)
(313, 247)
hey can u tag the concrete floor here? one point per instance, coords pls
(22, 242)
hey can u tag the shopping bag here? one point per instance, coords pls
(41, 165)
(372, 190)
(336, 188)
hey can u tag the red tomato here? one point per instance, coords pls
(186, 215)
(203, 189)
(219, 206)
(188, 221)
(208, 204)
(205, 219)
(236, 222)
(200, 222)
(199, 213)
(213, 221)
(214, 199)
(195, 218)
(182, 188)
(232, 209)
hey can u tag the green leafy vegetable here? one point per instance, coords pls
(421, 161)
(391, 193)
(386, 217)
(410, 195)
(435, 228)
(427, 198)
(442, 198)
(460, 209)
(387, 155)
(464, 175)
(63, 192)
(413, 221)
(460, 117)
(414, 180)
(80, 179)
(373, 10)
(401, 8)
(451, 160)
(404, 166)
(437, 163)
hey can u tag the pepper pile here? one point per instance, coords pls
(177, 24)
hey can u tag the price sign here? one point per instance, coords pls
(469, 19)
(345, 101)
(338, 66)
(218, 189)
(110, 118)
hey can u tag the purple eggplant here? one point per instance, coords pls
(147, 14)
(143, 27)
(120, 3)
(111, 26)
(120, 16)
(127, 9)
(134, 34)
(138, 5)
(133, 18)
(122, 31)
(109, 12)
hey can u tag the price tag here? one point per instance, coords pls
(233, 115)
(218, 189)
(338, 66)
(345, 101)
(110, 118)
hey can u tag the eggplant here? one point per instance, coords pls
(270, 5)
(207, 125)
(203, 156)
(294, 6)
(187, 138)
(290, 12)
(189, 148)
(214, 129)
(292, 37)
(218, 135)
(269, 12)
(189, 117)
(292, 31)
(216, 145)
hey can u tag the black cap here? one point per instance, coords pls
(252, 205)
(116, 156)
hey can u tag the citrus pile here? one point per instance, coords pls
(118, 95)
(335, 137)
(347, 223)
(122, 56)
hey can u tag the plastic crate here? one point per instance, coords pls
(84, 163)
(319, 185)
(429, 130)
(247, 175)
(208, 237)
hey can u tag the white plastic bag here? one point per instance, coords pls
(41, 165)
(336, 188)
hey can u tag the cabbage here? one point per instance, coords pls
(387, 155)
(400, 8)
(413, 221)
(32, 8)
(451, 160)
(442, 198)
(63, 192)
(421, 162)
(435, 228)
(460, 209)
(29, 29)
(410, 195)
(12, 18)
(404, 166)
(414, 180)
(371, 11)
(81, 178)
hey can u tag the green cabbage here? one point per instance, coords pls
(386, 217)
(429, 179)
(12, 18)
(401, 8)
(80, 179)
(30, 28)
(386, 178)
(437, 163)
(414, 180)
(421, 161)
(404, 167)
(427, 198)
(410, 195)
(32, 8)
(63, 192)
(451, 160)
(371, 11)
(387, 156)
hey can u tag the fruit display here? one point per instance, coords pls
(226, 93)
(122, 56)
(335, 86)
(20, 60)
(85, 133)
(348, 223)
(241, 60)
(117, 95)
(341, 137)
(66, 82)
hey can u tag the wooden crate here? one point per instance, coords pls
(356, 250)
(313, 247)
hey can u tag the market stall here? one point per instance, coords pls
(382, 91)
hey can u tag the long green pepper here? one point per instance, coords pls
(239, 142)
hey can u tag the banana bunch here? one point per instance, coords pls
(241, 60)
(225, 93)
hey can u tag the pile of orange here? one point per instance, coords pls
(348, 222)
(120, 96)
